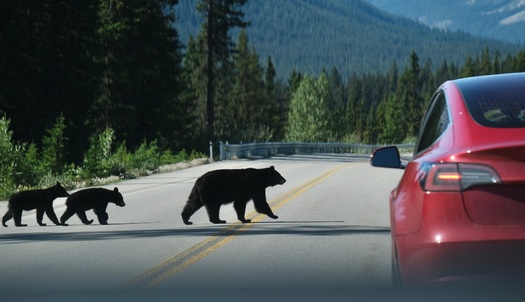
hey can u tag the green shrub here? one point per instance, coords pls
(8, 159)
(196, 155)
(119, 162)
(29, 168)
(53, 145)
(146, 157)
(97, 160)
(22, 166)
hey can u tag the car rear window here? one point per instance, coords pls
(495, 101)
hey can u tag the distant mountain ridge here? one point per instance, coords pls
(354, 36)
(498, 19)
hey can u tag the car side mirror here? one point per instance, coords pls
(386, 157)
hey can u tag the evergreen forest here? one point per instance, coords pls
(356, 37)
(92, 89)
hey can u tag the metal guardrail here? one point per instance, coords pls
(228, 151)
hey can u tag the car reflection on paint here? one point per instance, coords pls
(458, 212)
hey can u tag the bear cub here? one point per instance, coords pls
(41, 200)
(218, 187)
(93, 198)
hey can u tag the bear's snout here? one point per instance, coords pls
(282, 181)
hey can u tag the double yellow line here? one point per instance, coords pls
(194, 254)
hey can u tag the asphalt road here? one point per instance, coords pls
(332, 238)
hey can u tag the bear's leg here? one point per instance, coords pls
(213, 213)
(240, 209)
(40, 216)
(17, 214)
(67, 214)
(82, 215)
(51, 215)
(262, 206)
(8, 215)
(102, 216)
(192, 205)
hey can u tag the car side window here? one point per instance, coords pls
(435, 122)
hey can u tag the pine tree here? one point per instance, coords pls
(519, 62)
(485, 65)
(53, 148)
(393, 130)
(409, 94)
(141, 62)
(469, 68)
(294, 81)
(191, 132)
(220, 16)
(276, 100)
(355, 95)
(337, 103)
(247, 106)
(46, 65)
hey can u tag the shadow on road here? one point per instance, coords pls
(300, 228)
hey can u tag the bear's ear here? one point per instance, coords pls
(58, 184)
(115, 190)
(272, 168)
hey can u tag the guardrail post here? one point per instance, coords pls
(211, 151)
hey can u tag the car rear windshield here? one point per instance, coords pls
(495, 101)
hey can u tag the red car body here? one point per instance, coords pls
(458, 212)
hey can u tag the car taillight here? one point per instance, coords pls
(456, 177)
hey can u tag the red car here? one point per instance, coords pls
(458, 212)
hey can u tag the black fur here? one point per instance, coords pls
(41, 200)
(93, 198)
(239, 186)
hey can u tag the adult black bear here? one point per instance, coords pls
(93, 198)
(239, 186)
(41, 200)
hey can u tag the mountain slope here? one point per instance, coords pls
(499, 19)
(311, 35)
